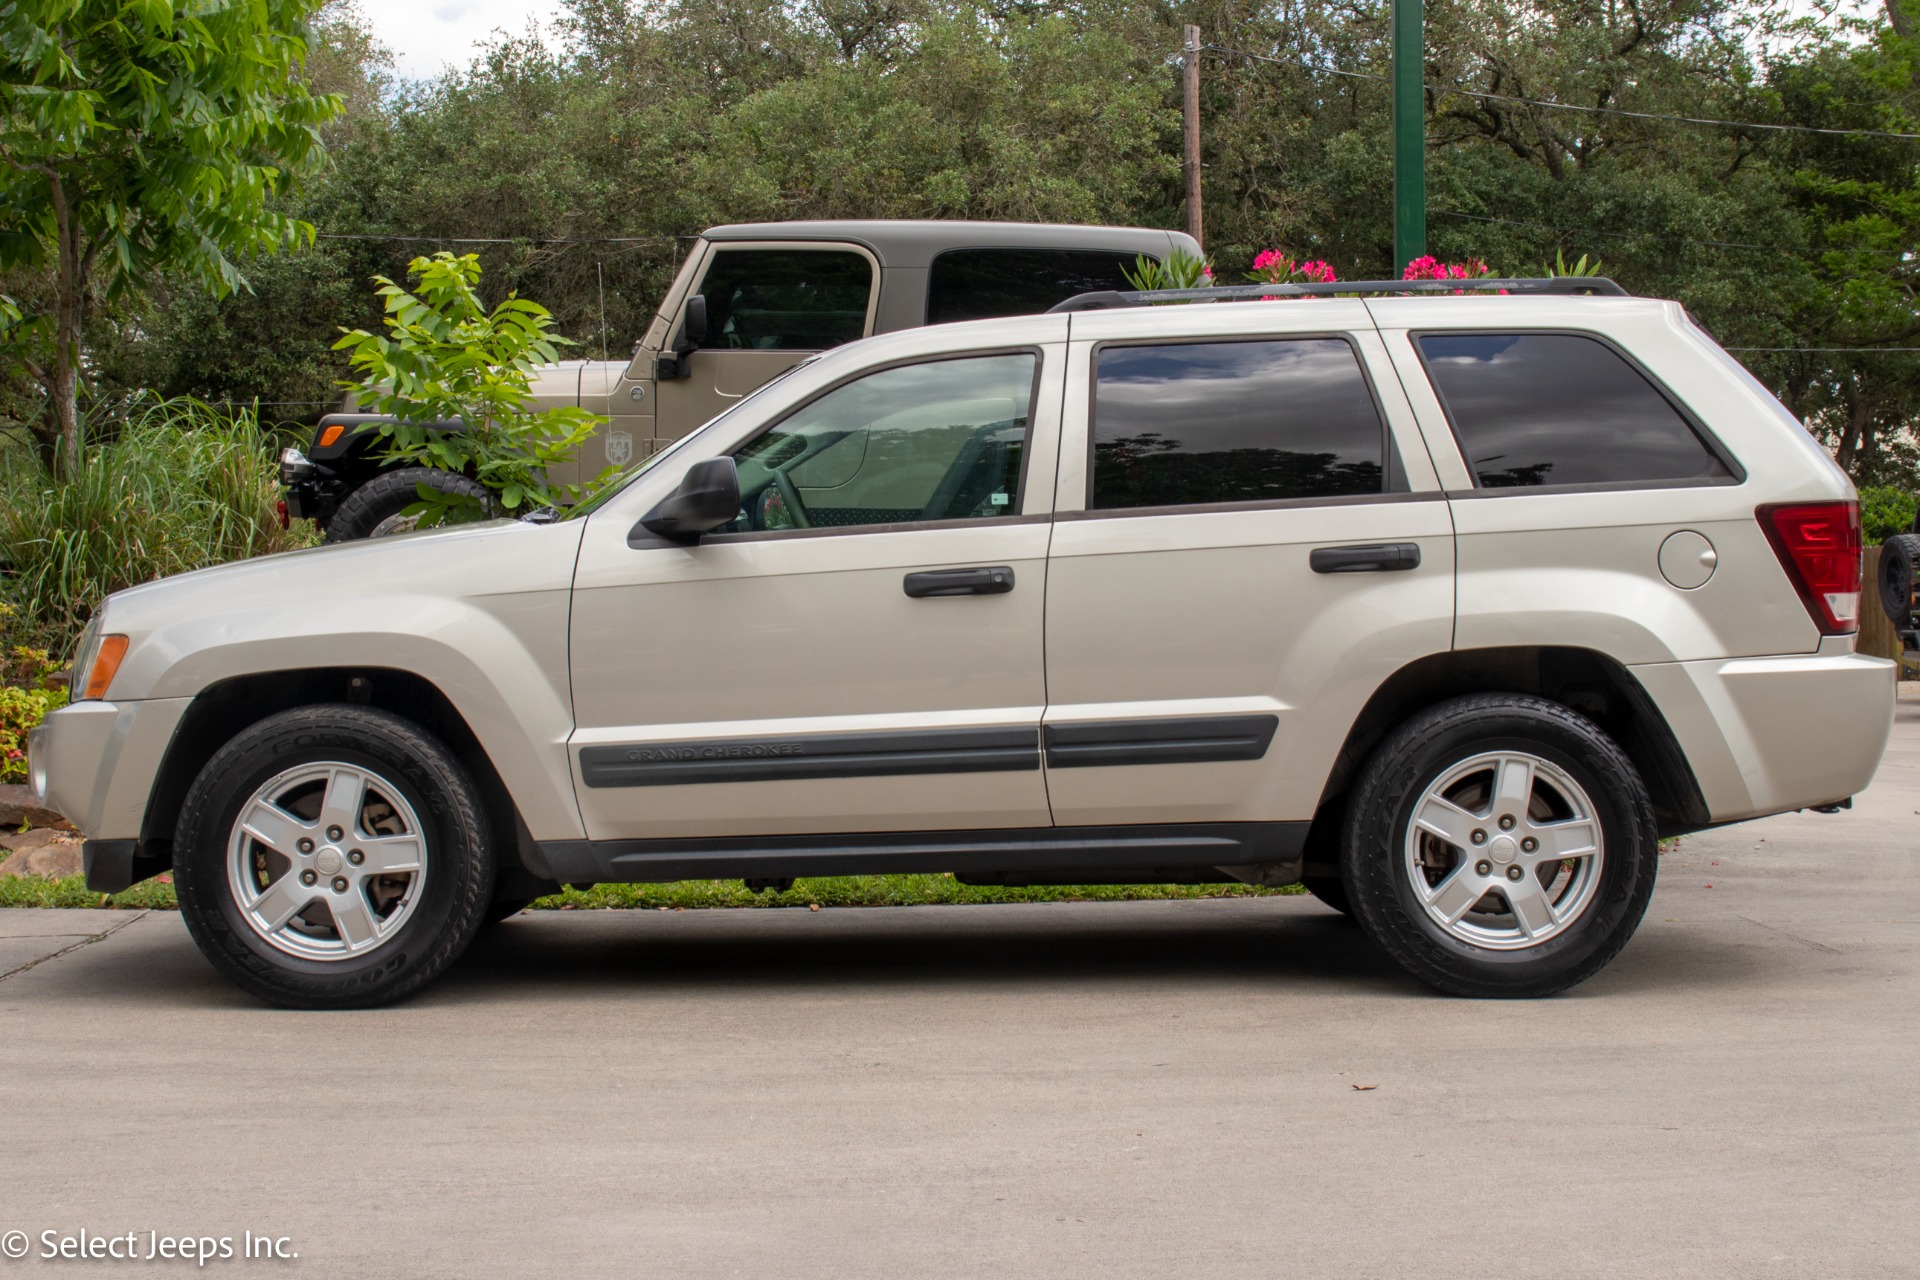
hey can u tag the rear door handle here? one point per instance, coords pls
(992, 580)
(1381, 557)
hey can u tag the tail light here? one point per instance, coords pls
(1819, 546)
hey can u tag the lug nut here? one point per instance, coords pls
(334, 833)
(1529, 845)
(1506, 822)
(307, 877)
(340, 883)
(356, 857)
(1513, 873)
(304, 845)
(1479, 837)
(1482, 867)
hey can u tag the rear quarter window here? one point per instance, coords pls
(1535, 409)
(984, 284)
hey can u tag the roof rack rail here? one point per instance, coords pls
(1558, 286)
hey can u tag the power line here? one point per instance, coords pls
(1572, 106)
(342, 235)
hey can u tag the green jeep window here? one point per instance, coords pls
(786, 299)
(938, 441)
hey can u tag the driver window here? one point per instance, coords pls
(937, 441)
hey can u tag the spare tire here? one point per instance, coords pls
(373, 510)
(1899, 562)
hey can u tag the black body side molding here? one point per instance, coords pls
(1062, 855)
(1201, 740)
(820, 755)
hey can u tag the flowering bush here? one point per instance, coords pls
(1275, 267)
(1431, 268)
(26, 695)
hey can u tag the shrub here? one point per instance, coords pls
(26, 695)
(1884, 511)
(181, 486)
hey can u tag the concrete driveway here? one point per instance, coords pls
(1230, 1088)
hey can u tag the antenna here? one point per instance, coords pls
(600, 271)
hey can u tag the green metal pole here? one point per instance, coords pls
(1409, 134)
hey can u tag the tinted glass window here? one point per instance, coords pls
(1233, 422)
(940, 441)
(1558, 408)
(979, 284)
(786, 299)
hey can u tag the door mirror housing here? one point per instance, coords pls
(708, 497)
(693, 335)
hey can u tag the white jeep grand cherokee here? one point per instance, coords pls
(1448, 606)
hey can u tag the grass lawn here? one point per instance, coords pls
(836, 891)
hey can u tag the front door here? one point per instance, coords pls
(769, 306)
(1243, 554)
(861, 651)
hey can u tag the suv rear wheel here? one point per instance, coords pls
(333, 857)
(1500, 845)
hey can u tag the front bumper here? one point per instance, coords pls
(1767, 735)
(95, 762)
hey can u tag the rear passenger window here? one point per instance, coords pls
(1209, 422)
(981, 284)
(786, 299)
(1558, 408)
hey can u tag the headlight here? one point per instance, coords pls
(294, 467)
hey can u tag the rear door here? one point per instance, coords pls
(1249, 539)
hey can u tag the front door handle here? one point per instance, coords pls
(1381, 557)
(993, 580)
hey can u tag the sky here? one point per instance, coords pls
(428, 36)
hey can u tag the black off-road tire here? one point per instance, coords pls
(1899, 559)
(391, 492)
(459, 861)
(1377, 881)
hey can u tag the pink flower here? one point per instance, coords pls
(1267, 258)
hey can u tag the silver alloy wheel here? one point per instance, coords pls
(326, 861)
(1505, 850)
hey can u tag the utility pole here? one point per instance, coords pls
(1409, 134)
(1190, 115)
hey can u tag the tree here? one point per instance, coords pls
(139, 137)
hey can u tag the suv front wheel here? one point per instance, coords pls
(1500, 845)
(333, 857)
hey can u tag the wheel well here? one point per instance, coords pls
(1591, 683)
(230, 706)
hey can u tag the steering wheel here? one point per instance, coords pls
(790, 495)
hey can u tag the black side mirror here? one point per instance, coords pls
(693, 335)
(693, 331)
(707, 498)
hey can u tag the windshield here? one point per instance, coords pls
(645, 465)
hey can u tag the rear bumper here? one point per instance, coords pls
(1766, 735)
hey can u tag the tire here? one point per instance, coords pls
(373, 510)
(1330, 891)
(1899, 560)
(350, 936)
(1574, 913)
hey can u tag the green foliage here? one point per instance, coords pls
(1559, 266)
(448, 356)
(1885, 511)
(181, 486)
(139, 137)
(1181, 270)
(26, 695)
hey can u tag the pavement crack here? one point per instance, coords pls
(89, 940)
(1817, 946)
